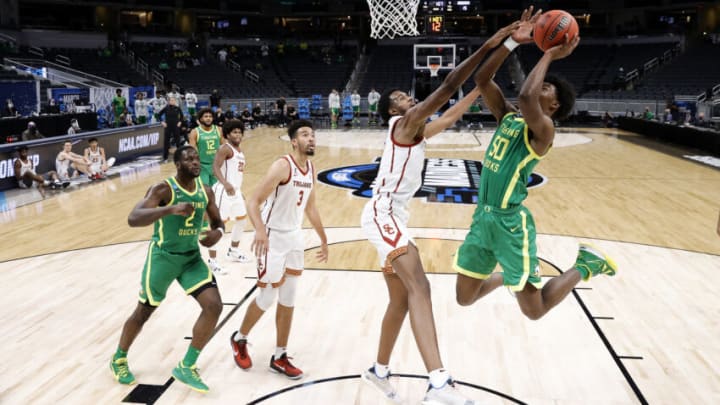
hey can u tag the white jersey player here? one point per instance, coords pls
(95, 154)
(287, 190)
(385, 217)
(228, 168)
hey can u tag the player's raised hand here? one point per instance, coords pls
(501, 34)
(523, 34)
(564, 49)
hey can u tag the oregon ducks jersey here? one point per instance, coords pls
(508, 163)
(208, 143)
(177, 233)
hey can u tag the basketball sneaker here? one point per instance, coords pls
(216, 268)
(238, 256)
(121, 371)
(446, 395)
(190, 376)
(591, 262)
(240, 352)
(283, 366)
(381, 384)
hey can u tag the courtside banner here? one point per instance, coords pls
(122, 143)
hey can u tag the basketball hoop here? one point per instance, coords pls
(434, 67)
(393, 18)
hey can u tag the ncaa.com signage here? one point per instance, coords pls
(122, 143)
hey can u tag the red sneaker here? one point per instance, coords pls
(240, 353)
(283, 366)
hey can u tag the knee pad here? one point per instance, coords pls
(238, 229)
(288, 290)
(266, 297)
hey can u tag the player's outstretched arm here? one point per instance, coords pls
(152, 207)
(452, 114)
(314, 218)
(491, 93)
(279, 172)
(421, 111)
(529, 98)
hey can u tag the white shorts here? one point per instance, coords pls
(285, 255)
(231, 207)
(386, 228)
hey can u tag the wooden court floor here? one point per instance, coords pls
(71, 267)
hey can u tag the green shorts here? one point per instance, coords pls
(372, 108)
(335, 111)
(207, 176)
(356, 109)
(191, 111)
(162, 267)
(504, 236)
(141, 119)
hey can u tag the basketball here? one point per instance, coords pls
(551, 27)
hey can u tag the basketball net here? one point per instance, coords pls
(434, 67)
(393, 18)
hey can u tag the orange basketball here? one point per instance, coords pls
(551, 27)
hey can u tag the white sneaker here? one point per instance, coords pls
(215, 267)
(446, 395)
(381, 384)
(238, 256)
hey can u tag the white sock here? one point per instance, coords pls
(381, 370)
(279, 351)
(239, 336)
(438, 378)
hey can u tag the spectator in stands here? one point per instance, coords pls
(158, 103)
(334, 105)
(173, 93)
(119, 105)
(257, 114)
(191, 103)
(667, 117)
(25, 174)
(355, 102)
(292, 113)
(31, 132)
(172, 121)
(141, 108)
(215, 99)
(127, 119)
(9, 110)
(66, 159)
(219, 118)
(280, 105)
(648, 115)
(74, 127)
(373, 98)
(247, 118)
(222, 55)
(607, 119)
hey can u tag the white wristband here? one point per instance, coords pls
(510, 44)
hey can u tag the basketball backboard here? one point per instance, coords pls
(425, 54)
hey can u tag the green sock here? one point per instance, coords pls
(191, 356)
(120, 354)
(584, 271)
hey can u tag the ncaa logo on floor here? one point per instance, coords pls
(444, 180)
